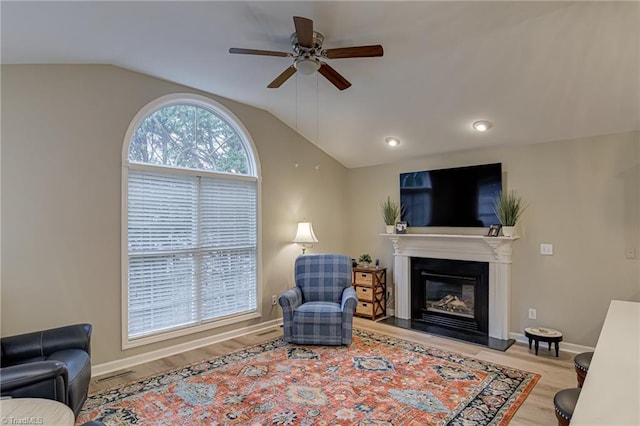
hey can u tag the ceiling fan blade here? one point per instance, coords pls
(304, 29)
(284, 76)
(354, 52)
(334, 77)
(258, 52)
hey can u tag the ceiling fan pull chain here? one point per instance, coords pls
(317, 110)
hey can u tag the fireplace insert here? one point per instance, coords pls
(451, 293)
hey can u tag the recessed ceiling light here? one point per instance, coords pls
(392, 141)
(482, 125)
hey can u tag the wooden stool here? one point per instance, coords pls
(564, 403)
(548, 335)
(581, 363)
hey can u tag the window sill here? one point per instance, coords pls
(185, 331)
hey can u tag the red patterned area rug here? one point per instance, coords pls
(378, 380)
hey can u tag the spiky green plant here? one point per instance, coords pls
(391, 211)
(509, 208)
(365, 258)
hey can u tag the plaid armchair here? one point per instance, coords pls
(319, 310)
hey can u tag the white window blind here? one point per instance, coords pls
(192, 249)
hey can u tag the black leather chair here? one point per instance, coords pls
(52, 364)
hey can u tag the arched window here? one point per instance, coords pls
(190, 234)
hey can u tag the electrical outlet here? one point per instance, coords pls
(274, 300)
(631, 253)
(532, 313)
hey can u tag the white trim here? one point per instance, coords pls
(564, 346)
(124, 257)
(182, 171)
(255, 173)
(199, 101)
(120, 364)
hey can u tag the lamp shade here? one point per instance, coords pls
(305, 234)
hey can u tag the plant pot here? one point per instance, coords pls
(390, 229)
(508, 231)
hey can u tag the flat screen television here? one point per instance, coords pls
(456, 197)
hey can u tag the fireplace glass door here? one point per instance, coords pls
(451, 295)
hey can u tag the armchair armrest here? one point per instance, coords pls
(15, 349)
(349, 300)
(290, 300)
(348, 305)
(18, 377)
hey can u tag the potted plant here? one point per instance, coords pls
(391, 212)
(509, 207)
(365, 260)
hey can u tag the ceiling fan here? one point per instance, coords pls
(306, 45)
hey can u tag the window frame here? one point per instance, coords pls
(254, 175)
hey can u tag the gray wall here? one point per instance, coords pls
(63, 128)
(62, 133)
(583, 198)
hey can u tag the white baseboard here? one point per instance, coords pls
(120, 364)
(564, 346)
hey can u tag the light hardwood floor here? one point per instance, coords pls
(557, 373)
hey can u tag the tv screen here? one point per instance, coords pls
(458, 197)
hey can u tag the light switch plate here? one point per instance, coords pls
(546, 249)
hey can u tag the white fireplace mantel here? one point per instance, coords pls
(496, 251)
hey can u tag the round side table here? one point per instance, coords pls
(35, 410)
(540, 334)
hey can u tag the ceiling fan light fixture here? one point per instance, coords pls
(392, 142)
(307, 54)
(307, 66)
(482, 125)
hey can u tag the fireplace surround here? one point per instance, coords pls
(494, 251)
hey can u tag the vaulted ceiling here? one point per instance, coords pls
(539, 71)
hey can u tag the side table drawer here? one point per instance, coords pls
(364, 308)
(364, 293)
(363, 278)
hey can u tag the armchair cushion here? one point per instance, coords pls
(63, 353)
(319, 310)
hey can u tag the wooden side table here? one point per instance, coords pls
(370, 285)
(36, 411)
(548, 335)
